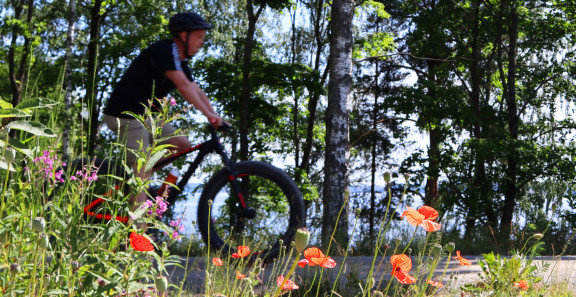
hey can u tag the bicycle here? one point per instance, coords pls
(224, 202)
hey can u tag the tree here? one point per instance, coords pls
(335, 198)
(21, 27)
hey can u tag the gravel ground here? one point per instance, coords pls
(356, 269)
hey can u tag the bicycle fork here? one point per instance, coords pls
(245, 212)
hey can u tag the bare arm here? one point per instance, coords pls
(195, 96)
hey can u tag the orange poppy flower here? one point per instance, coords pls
(435, 284)
(522, 285)
(140, 243)
(289, 285)
(316, 257)
(424, 217)
(303, 262)
(240, 275)
(461, 260)
(217, 261)
(401, 265)
(243, 251)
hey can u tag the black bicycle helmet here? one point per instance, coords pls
(186, 22)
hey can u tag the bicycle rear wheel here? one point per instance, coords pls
(273, 195)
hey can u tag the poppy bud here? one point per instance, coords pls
(161, 283)
(538, 236)
(75, 266)
(43, 242)
(437, 250)
(378, 294)
(554, 206)
(14, 268)
(387, 176)
(210, 202)
(451, 247)
(398, 240)
(301, 239)
(9, 155)
(39, 224)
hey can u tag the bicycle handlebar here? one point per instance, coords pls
(225, 128)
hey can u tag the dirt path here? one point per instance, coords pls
(356, 269)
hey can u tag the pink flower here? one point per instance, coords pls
(172, 101)
(288, 285)
(302, 263)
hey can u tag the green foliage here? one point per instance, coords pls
(9, 145)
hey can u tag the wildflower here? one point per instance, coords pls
(217, 262)
(178, 228)
(401, 266)
(240, 275)
(522, 285)
(161, 283)
(303, 263)
(286, 285)
(424, 217)
(172, 101)
(301, 239)
(461, 260)
(140, 243)
(148, 204)
(161, 205)
(316, 257)
(39, 224)
(435, 283)
(243, 251)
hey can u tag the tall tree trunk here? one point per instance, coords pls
(335, 212)
(373, 152)
(431, 189)
(246, 86)
(17, 69)
(295, 109)
(68, 77)
(315, 97)
(480, 181)
(511, 187)
(96, 19)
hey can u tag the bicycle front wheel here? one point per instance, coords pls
(277, 201)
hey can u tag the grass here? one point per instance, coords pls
(47, 247)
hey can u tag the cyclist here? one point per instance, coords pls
(157, 70)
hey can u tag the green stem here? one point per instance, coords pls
(287, 277)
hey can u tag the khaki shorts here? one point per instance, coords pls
(133, 134)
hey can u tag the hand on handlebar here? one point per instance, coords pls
(219, 124)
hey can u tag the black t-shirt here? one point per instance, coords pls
(144, 76)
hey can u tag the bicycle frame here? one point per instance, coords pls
(211, 145)
(204, 148)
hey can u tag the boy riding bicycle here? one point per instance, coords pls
(159, 69)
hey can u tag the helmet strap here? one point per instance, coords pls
(185, 44)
